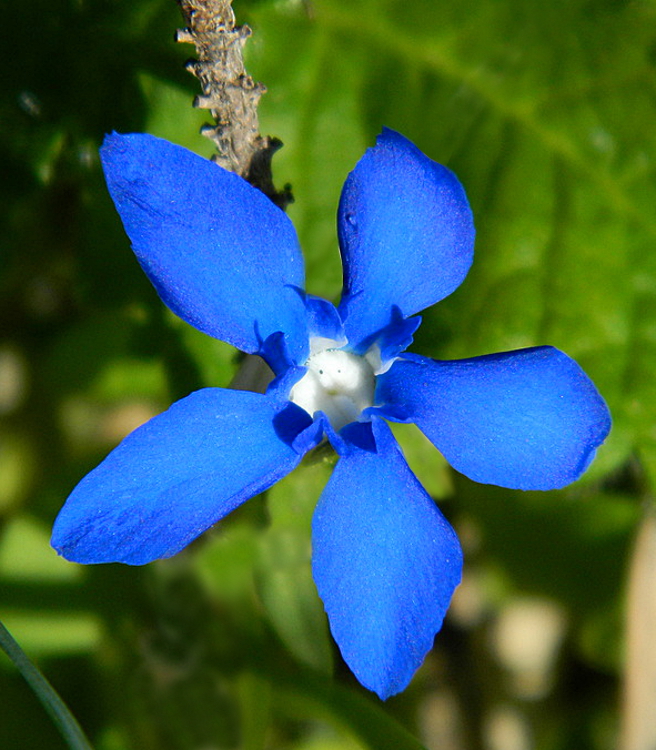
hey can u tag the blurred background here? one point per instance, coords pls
(547, 112)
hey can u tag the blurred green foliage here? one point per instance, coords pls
(546, 112)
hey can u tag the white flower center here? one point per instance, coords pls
(338, 383)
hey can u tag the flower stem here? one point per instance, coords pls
(229, 93)
(638, 724)
(53, 704)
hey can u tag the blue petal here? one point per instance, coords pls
(392, 340)
(178, 474)
(406, 235)
(384, 559)
(323, 319)
(218, 252)
(397, 337)
(529, 419)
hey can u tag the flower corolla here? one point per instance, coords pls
(227, 261)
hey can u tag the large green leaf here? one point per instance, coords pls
(544, 111)
(284, 572)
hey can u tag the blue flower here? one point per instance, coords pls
(227, 261)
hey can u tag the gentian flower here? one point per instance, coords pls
(227, 261)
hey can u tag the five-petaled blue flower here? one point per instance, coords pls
(227, 261)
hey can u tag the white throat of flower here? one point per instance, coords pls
(337, 382)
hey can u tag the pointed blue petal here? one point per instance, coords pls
(392, 340)
(384, 559)
(529, 419)
(406, 235)
(218, 252)
(323, 319)
(178, 474)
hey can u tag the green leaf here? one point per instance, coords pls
(316, 115)
(541, 110)
(226, 561)
(424, 459)
(290, 597)
(362, 718)
(26, 555)
(255, 705)
(284, 577)
(171, 116)
(291, 502)
(216, 361)
(571, 548)
(54, 634)
(16, 469)
(53, 704)
(551, 545)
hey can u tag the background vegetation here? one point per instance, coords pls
(547, 113)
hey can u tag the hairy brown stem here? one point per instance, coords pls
(229, 93)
